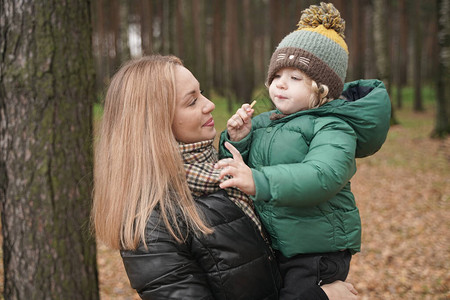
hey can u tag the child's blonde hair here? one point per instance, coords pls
(138, 167)
(319, 96)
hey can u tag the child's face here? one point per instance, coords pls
(193, 121)
(291, 90)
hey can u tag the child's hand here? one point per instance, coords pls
(240, 124)
(241, 174)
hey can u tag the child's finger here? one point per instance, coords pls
(235, 121)
(243, 115)
(248, 109)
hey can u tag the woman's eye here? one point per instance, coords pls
(193, 102)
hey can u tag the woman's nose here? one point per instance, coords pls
(209, 106)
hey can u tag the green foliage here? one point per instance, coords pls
(98, 111)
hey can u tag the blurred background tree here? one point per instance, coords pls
(442, 127)
(228, 44)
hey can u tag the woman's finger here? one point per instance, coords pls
(236, 155)
(232, 182)
(223, 163)
(228, 171)
(351, 288)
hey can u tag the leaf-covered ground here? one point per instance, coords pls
(403, 193)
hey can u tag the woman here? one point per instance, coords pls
(173, 247)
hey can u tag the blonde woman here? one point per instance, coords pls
(173, 246)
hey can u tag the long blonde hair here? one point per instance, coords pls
(138, 166)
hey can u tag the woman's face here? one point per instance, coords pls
(193, 121)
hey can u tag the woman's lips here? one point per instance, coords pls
(209, 123)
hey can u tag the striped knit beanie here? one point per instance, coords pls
(317, 48)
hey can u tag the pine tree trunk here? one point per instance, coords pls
(199, 24)
(381, 39)
(218, 38)
(357, 65)
(417, 50)
(46, 96)
(146, 19)
(247, 40)
(124, 13)
(402, 51)
(442, 127)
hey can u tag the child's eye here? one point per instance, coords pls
(295, 78)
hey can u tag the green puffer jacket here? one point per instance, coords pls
(302, 165)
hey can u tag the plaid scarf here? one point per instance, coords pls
(199, 159)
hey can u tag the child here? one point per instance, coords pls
(301, 156)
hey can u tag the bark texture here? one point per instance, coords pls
(46, 96)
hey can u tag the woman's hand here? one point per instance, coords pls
(340, 290)
(240, 124)
(241, 174)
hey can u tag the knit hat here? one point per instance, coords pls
(317, 48)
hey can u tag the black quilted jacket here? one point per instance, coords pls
(232, 263)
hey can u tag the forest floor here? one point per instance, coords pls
(403, 192)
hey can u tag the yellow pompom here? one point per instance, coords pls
(325, 14)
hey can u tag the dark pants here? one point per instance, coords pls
(302, 271)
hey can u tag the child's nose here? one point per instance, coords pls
(281, 83)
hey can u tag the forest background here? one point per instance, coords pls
(402, 191)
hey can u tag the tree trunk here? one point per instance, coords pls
(381, 38)
(199, 24)
(180, 25)
(247, 40)
(417, 50)
(402, 53)
(218, 38)
(146, 18)
(357, 46)
(100, 46)
(230, 52)
(276, 27)
(381, 41)
(46, 96)
(124, 13)
(442, 127)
